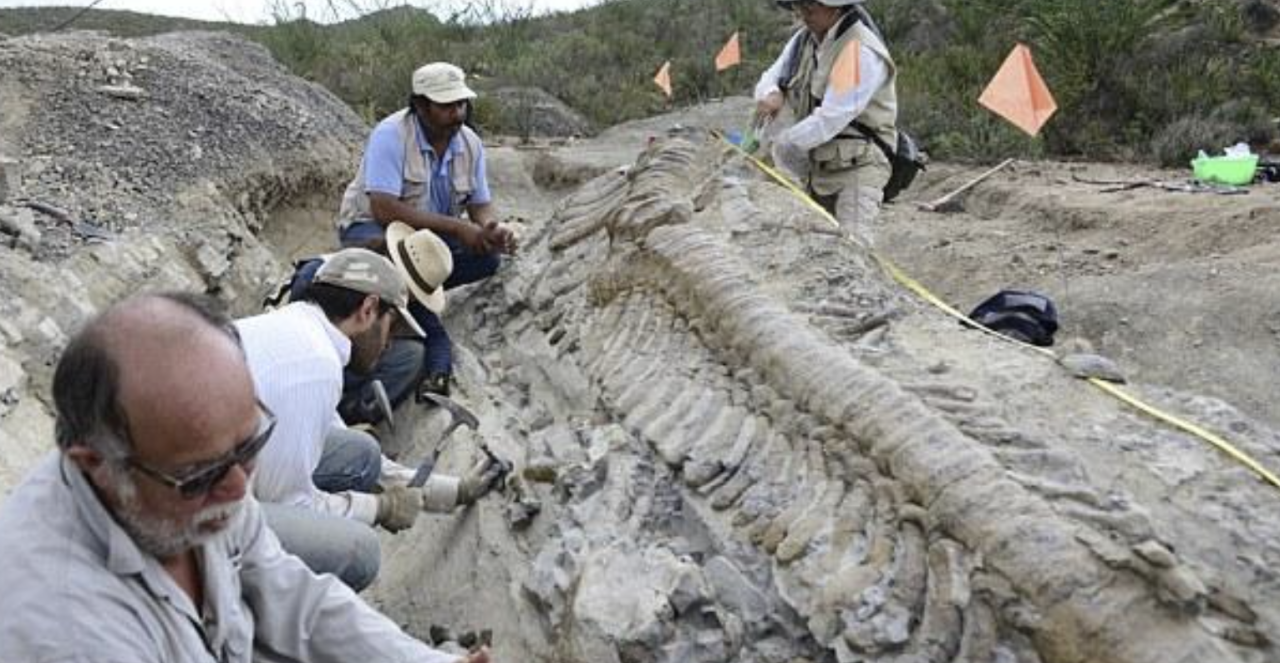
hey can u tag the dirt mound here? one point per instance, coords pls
(135, 164)
(116, 132)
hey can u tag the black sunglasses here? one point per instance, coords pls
(201, 480)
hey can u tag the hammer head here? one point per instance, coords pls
(458, 414)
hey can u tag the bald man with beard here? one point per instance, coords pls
(137, 540)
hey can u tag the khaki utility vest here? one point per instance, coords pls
(416, 187)
(808, 84)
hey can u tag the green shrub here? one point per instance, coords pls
(1147, 79)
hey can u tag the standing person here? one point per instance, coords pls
(316, 480)
(137, 539)
(424, 167)
(831, 145)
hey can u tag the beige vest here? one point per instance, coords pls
(809, 84)
(416, 187)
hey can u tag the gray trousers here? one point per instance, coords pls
(854, 196)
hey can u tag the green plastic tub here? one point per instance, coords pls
(1225, 170)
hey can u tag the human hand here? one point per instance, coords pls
(398, 508)
(768, 107)
(480, 655)
(500, 237)
(483, 477)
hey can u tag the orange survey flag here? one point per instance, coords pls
(845, 74)
(730, 55)
(1018, 93)
(663, 78)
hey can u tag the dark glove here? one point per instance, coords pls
(486, 475)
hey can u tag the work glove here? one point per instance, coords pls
(398, 507)
(484, 476)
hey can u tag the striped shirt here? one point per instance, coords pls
(296, 357)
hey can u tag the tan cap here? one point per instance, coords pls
(424, 260)
(364, 271)
(442, 83)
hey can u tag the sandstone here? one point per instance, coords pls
(8, 177)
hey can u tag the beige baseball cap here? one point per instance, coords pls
(364, 271)
(442, 83)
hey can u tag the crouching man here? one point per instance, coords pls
(137, 539)
(318, 479)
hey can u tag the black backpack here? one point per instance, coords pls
(1020, 314)
(304, 270)
(906, 159)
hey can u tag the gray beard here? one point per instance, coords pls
(157, 537)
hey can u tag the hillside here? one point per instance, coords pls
(1147, 80)
(16, 21)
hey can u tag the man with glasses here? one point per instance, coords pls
(839, 82)
(137, 539)
(317, 480)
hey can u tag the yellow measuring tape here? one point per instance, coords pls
(915, 286)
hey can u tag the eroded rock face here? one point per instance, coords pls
(134, 134)
(777, 454)
(103, 195)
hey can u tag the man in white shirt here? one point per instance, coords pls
(838, 80)
(317, 479)
(138, 541)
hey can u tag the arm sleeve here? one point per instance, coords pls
(439, 494)
(384, 161)
(838, 110)
(304, 416)
(305, 617)
(481, 195)
(769, 79)
(394, 473)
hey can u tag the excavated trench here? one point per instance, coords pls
(737, 440)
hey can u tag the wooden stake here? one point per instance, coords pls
(943, 201)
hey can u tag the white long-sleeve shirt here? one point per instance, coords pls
(296, 357)
(837, 110)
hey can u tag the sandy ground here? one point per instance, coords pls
(1177, 287)
(1173, 286)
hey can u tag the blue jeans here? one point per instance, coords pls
(347, 548)
(468, 267)
(351, 460)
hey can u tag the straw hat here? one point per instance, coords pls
(424, 260)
